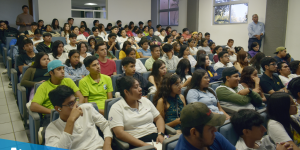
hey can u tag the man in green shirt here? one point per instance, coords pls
(95, 87)
(231, 93)
(155, 52)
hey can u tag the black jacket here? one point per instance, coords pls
(42, 47)
(10, 32)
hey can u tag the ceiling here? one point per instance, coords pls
(79, 4)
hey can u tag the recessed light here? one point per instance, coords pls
(90, 4)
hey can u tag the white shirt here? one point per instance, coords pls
(285, 81)
(37, 41)
(263, 144)
(192, 60)
(187, 77)
(63, 57)
(162, 38)
(82, 58)
(221, 65)
(231, 48)
(137, 122)
(102, 34)
(121, 41)
(206, 49)
(277, 132)
(67, 48)
(85, 135)
(157, 33)
(137, 39)
(81, 37)
(193, 50)
(232, 58)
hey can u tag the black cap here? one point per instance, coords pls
(228, 72)
(47, 34)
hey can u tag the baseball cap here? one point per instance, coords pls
(197, 113)
(52, 65)
(47, 34)
(278, 49)
(228, 72)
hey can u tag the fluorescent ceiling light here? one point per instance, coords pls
(90, 4)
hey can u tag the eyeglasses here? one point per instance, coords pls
(226, 56)
(71, 104)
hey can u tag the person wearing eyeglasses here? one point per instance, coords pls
(223, 62)
(76, 126)
(269, 81)
(41, 102)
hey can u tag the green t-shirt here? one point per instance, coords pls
(96, 92)
(41, 95)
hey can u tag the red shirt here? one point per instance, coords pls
(108, 68)
(186, 36)
(85, 34)
(129, 33)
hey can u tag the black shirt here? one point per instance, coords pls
(24, 59)
(113, 49)
(267, 84)
(39, 75)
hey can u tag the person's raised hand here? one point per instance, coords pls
(75, 113)
(256, 79)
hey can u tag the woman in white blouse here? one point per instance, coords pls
(37, 37)
(139, 66)
(66, 32)
(82, 48)
(58, 52)
(102, 32)
(185, 53)
(132, 118)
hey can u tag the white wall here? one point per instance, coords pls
(123, 10)
(10, 9)
(238, 32)
(182, 22)
(292, 29)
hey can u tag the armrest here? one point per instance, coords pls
(169, 140)
(170, 130)
(149, 147)
(14, 77)
(267, 95)
(22, 100)
(34, 129)
(120, 144)
(9, 66)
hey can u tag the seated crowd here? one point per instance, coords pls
(183, 67)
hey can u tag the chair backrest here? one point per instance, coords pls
(214, 85)
(195, 57)
(170, 143)
(114, 80)
(119, 66)
(117, 53)
(63, 39)
(146, 74)
(108, 104)
(183, 89)
(8, 39)
(11, 51)
(228, 132)
(211, 57)
(259, 75)
(108, 32)
(171, 71)
(192, 69)
(150, 97)
(143, 60)
(16, 67)
(24, 70)
(36, 85)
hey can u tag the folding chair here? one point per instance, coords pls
(117, 53)
(119, 66)
(143, 60)
(114, 80)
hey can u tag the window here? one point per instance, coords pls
(88, 9)
(230, 11)
(168, 12)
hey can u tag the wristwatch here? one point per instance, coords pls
(250, 90)
(160, 133)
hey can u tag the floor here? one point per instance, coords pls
(11, 124)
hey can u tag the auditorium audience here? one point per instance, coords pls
(256, 62)
(169, 58)
(174, 34)
(146, 32)
(199, 91)
(284, 73)
(108, 27)
(184, 72)
(82, 49)
(144, 51)
(24, 19)
(295, 68)
(111, 44)
(55, 26)
(83, 31)
(95, 87)
(230, 45)
(140, 68)
(155, 55)
(96, 23)
(249, 79)
(70, 22)
(80, 37)
(95, 31)
(6, 30)
(176, 48)
(30, 33)
(282, 56)
(139, 36)
(231, 93)
(158, 72)
(47, 45)
(41, 25)
(203, 63)
(201, 134)
(128, 65)
(204, 46)
(254, 49)
(75, 127)
(48, 29)
(86, 29)
(248, 124)
(91, 45)
(180, 40)
(168, 30)
(73, 43)
(58, 52)
(122, 38)
(141, 26)
(216, 52)
(121, 114)
(74, 69)
(126, 45)
(281, 126)
(37, 37)
(150, 36)
(242, 61)
(185, 53)
(207, 37)
(131, 26)
(294, 88)
(149, 23)
(162, 34)
(270, 82)
(169, 40)
(223, 62)
(66, 32)
(108, 66)
(26, 55)
(102, 31)
(193, 49)
(158, 32)
(211, 45)
(128, 32)
(169, 101)
(186, 34)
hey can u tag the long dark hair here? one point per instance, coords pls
(68, 61)
(37, 60)
(64, 29)
(55, 47)
(241, 55)
(124, 83)
(165, 89)
(278, 106)
(125, 45)
(246, 76)
(84, 24)
(178, 38)
(201, 61)
(135, 29)
(196, 82)
(202, 41)
(155, 71)
(181, 51)
(53, 24)
(255, 61)
(182, 65)
(79, 47)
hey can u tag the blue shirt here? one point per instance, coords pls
(209, 41)
(149, 37)
(220, 143)
(76, 74)
(281, 60)
(256, 29)
(145, 53)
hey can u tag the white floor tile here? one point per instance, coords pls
(18, 126)
(13, 108)
(3, 102)
(3, 109)
(4, 118)
(15, 116)
(9, 136)
(6, 128)
(10, 101)
(21, 136)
